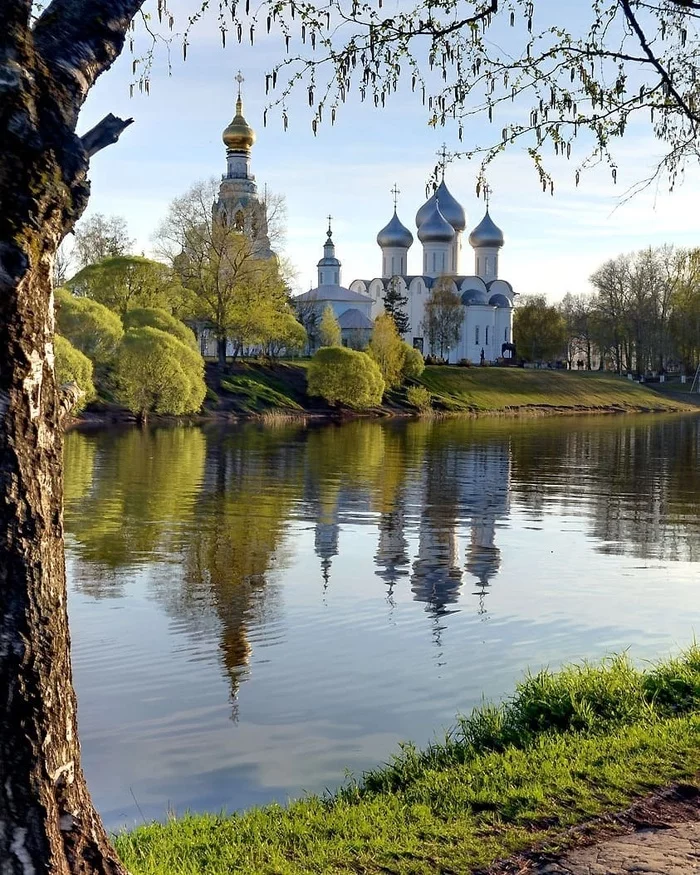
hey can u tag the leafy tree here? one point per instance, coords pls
(286, 335)
(394, 304)
(413, 363)
(126, 282)
(156, 373)
(100, 237)
(443, 319)
(90, 327)
(329, 333)
(72, 366)
(153, 317)
(388, 350)
(231, 285)
(539, 329)
(569, 74)
(345, 376)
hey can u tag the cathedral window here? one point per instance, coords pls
(239, 221)
(476, 335)
(254, 228)
(505, 335)
(434, 262)
(486, 335)
(478, 265)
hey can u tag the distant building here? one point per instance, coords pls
(353, 310)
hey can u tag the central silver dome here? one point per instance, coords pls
(395, 234)
(450, 208)
(436, 228)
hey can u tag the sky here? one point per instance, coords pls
(553, 243)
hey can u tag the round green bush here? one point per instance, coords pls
(90, 327)
(413, 363)
(73, 366)
(345, 376)
(157, 373)
(418, 396)
(154, 317)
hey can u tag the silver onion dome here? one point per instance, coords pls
(486, 233)
(425, 210)
(436, 228)
(451, 208)
(395, 234)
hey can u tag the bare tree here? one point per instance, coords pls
(101, 237)
(444, 315)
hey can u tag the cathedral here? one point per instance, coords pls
(487, 326)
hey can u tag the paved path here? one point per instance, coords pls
(659, 834)
(670, 851)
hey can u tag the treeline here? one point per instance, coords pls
(642, 316)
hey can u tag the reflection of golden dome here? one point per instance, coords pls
(239, 136)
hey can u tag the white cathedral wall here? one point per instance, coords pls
(478, 332)
(504, 326)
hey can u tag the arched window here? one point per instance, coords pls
(239, 221)
(486, 335)
(476, 335)
(434, 261)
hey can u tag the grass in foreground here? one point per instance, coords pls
(503, 388)
(566, 747)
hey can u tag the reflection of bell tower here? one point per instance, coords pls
(239, 204)
(327, 532)
(391, 557)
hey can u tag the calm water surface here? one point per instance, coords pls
(254, 610)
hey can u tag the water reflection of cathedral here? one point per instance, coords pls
(448, 509)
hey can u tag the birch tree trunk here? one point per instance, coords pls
(47, 820)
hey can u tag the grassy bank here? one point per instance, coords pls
(254, 388)
(566, 747)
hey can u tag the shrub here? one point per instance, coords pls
(157, 373)
(154, 317)
(387, 350)
(90, 327)
(464, 363)
(73, 366)
(329, 333)
(418, 396)
(345, 376)
(413, 363)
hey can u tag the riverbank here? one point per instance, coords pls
(567, 747)
(251, 390)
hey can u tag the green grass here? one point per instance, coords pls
(258, 393)
(566, 747)
(500, 389)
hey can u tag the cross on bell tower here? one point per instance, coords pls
(395, 192)
(240, 79)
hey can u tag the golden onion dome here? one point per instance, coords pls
(239, 136)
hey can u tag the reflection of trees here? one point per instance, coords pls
(144, 487)
(639, 485)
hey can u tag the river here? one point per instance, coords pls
(255, 610)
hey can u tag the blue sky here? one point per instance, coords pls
(552, 243)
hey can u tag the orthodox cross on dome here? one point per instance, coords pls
(239, 77)
(330, 219)
(395, 192)
(442, 163)
(488, 191)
